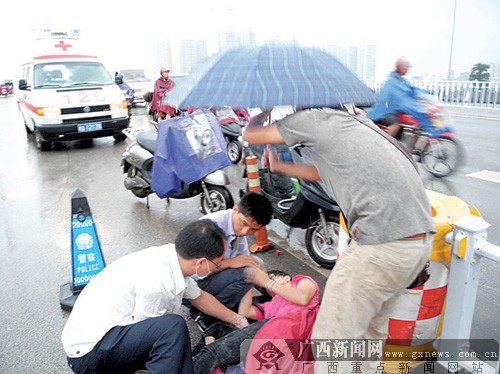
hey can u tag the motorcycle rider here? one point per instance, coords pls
(163, 86)
(399, 96)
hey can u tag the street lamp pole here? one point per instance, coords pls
(452, 37)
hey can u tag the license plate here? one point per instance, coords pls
(86, 127)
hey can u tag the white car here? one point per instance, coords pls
(140, 83)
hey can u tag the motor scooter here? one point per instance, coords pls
(232, 128)
(232, 133)
(137, 163)
(440, 155)
(307, 205)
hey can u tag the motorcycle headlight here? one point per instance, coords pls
(206, 137)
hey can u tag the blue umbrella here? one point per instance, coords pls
(268, 76)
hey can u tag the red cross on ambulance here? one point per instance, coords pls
(62, 45)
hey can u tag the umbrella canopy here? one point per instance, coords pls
(271, 75)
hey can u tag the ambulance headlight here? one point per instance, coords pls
(49, 111)
(117, 106)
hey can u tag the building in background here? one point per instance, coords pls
(191, 53)
(163, 56)
(231, 39)
(494, 71)
(361, 60)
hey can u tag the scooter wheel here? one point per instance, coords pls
(234, 151)
(323, 246)
(219, 197)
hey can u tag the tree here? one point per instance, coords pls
(480, 73)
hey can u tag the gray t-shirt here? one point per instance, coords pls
(378, 189)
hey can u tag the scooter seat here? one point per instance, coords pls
(147, 140)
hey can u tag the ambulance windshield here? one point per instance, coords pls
(71, 73)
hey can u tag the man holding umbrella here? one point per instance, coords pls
(375, 182)
(386, 208)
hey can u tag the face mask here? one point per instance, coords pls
(204, 276)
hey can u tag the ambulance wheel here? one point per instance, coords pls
(41, 144)
(120, 137)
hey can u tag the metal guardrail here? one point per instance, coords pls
(469, 246)
(462, 93)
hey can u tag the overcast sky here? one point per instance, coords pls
(124, 31)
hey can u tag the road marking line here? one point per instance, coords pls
(487, 175)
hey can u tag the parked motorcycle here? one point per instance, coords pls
(231, 125)
(307, 206)
(137, 163)
(439, 155)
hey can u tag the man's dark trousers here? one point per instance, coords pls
(159, 344)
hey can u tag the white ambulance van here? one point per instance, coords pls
(64, 96)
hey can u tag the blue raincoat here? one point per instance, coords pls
(399, 96)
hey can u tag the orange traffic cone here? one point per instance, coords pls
(261, 241)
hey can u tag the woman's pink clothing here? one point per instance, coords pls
(278, 305)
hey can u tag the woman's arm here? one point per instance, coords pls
(301, 295)
(245, 307)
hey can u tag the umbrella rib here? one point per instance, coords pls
(292, 81)
(324, 83)
(273, 75)
(307, 81)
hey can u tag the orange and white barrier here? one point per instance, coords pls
(418, 311)
(261, 241)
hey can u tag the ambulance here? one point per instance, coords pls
(64, 95)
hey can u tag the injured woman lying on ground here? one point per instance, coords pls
(289, 314)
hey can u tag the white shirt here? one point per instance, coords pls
(236, 245)
(144, 284)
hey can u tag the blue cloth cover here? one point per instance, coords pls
(188, 148)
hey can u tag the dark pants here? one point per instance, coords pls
(224, 351)
(228, 286)
(160, 345)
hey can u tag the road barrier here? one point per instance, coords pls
(463, 93)
(468, 247)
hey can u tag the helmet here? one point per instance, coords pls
(401, 63)
(164, 68)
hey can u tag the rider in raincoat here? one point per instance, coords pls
(399, 96)
(163, 86)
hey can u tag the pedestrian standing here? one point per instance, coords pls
(381, 194)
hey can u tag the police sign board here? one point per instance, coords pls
(86, 255)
